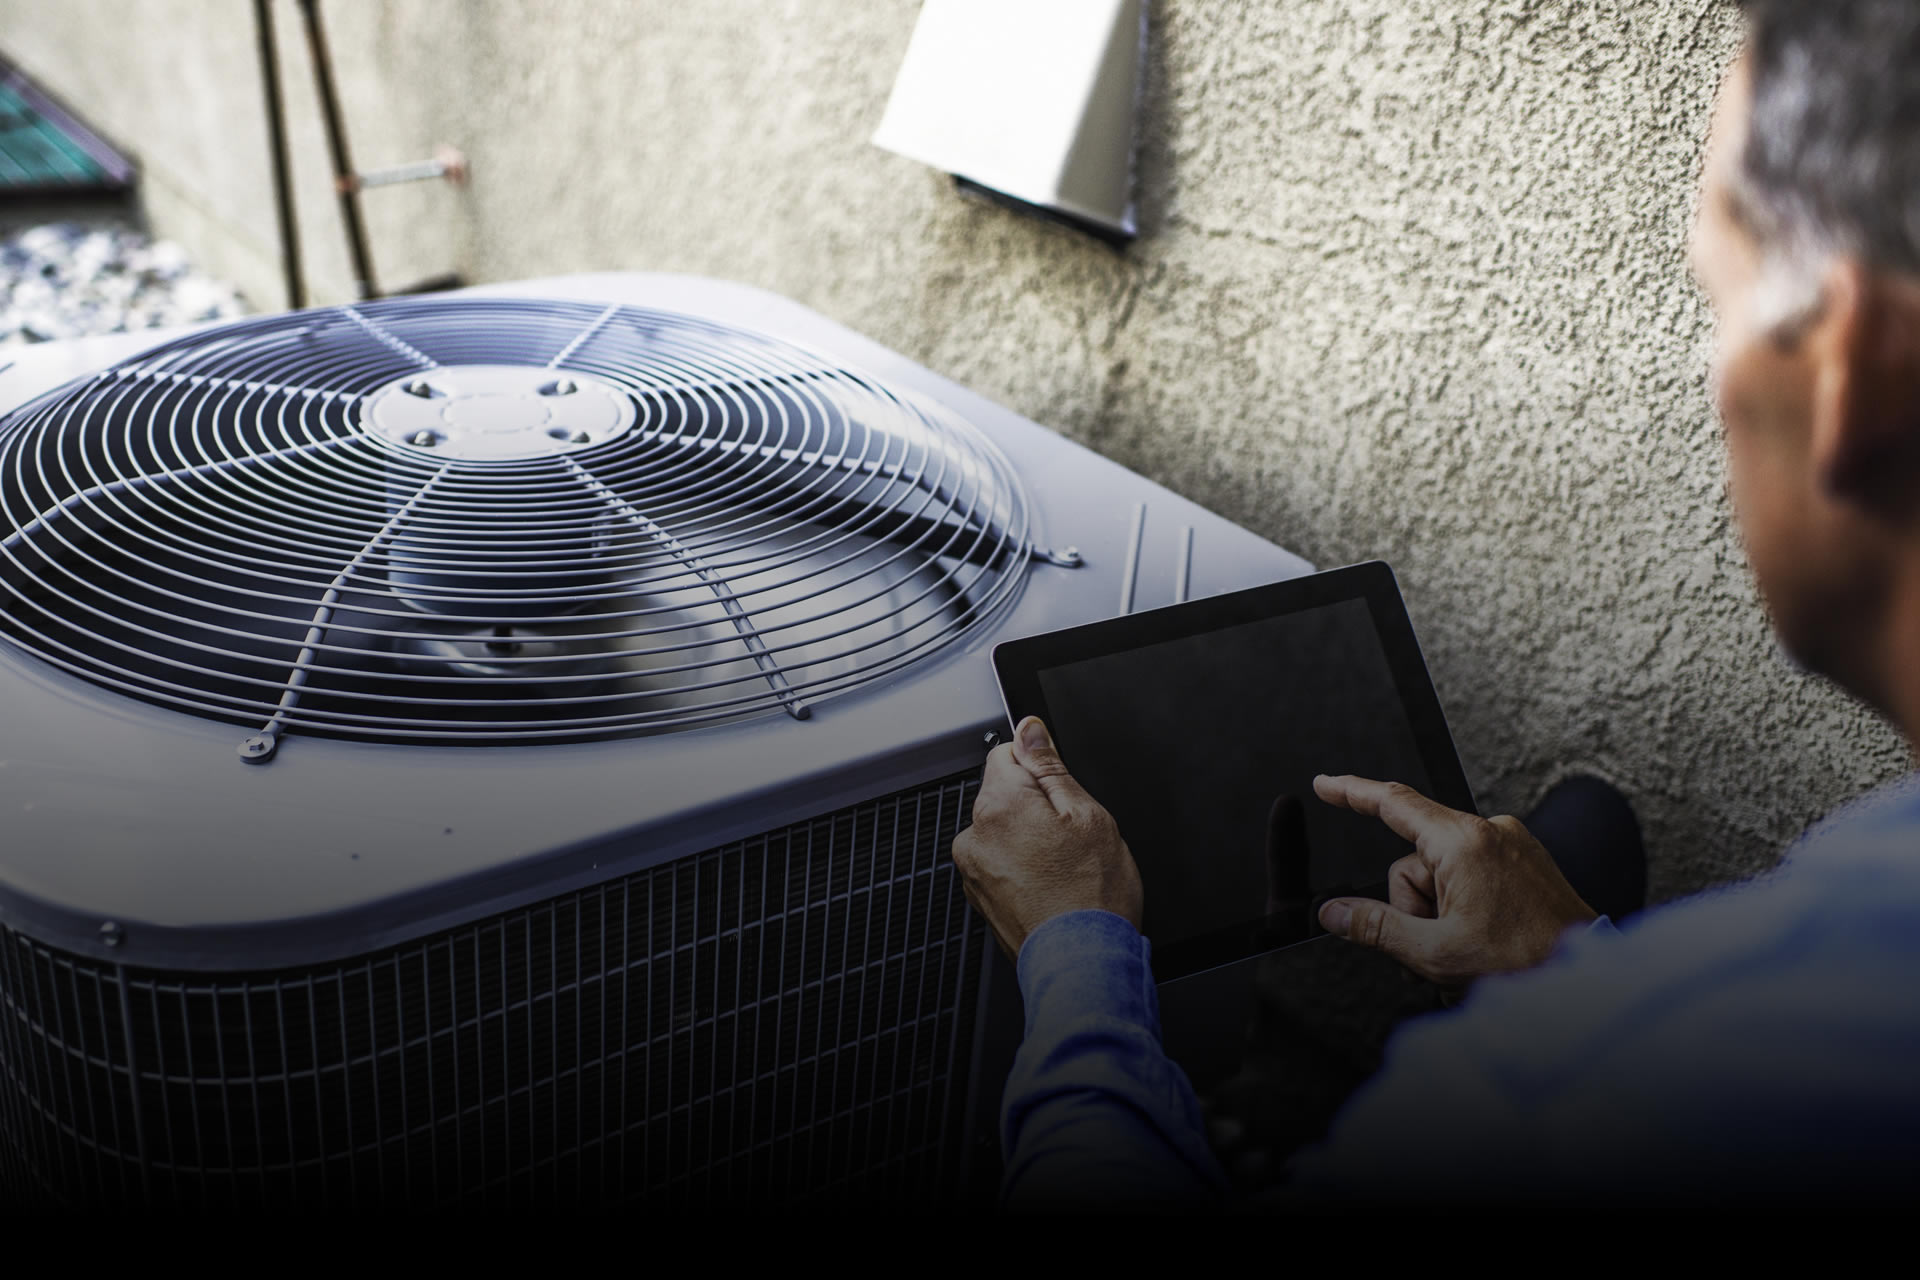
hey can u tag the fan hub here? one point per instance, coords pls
(496, 413)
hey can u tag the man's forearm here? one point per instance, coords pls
(1096, 1114)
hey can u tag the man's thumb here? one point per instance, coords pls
(1033, 747)
(1375, 925)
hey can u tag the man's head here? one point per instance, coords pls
(1808, 246)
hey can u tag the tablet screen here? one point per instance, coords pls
(1189, 743)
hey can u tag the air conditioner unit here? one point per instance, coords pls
(505, 746)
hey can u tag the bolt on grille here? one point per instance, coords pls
(483, 520)
(785, 1019)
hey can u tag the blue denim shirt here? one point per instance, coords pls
(1753, 1040)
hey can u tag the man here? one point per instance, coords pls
(1759, 1042)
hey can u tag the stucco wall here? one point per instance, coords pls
(1412, 286)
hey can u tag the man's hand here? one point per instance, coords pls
(1040, 846)
(1477, 896)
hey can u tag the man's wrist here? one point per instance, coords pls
(1578, 934)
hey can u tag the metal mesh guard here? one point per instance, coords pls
(466, 520)
(784, 1019)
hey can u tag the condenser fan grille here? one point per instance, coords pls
(484, 520)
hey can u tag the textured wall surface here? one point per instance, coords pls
(1412, 286)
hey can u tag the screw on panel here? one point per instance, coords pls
(559, 387)
(1066, 557)
(581, 437)
(420, 387)
(259, 748)
(112, 934)
(425, 439)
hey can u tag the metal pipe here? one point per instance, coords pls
(343, 175)
(419, 171)
(447, 163)
(277, 139)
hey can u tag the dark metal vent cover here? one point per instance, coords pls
(784, 1019)
(469, 520)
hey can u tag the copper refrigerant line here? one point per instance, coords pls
(447, 164)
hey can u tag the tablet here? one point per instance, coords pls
(1201, 726)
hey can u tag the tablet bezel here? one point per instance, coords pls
(1018, 664)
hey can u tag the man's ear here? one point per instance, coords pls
(1865, 346)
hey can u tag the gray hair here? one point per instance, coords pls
(1832, 161)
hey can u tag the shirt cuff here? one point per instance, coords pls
(1088, 963)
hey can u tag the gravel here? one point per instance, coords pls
(71, 280)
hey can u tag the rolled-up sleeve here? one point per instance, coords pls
(1096, 1115)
